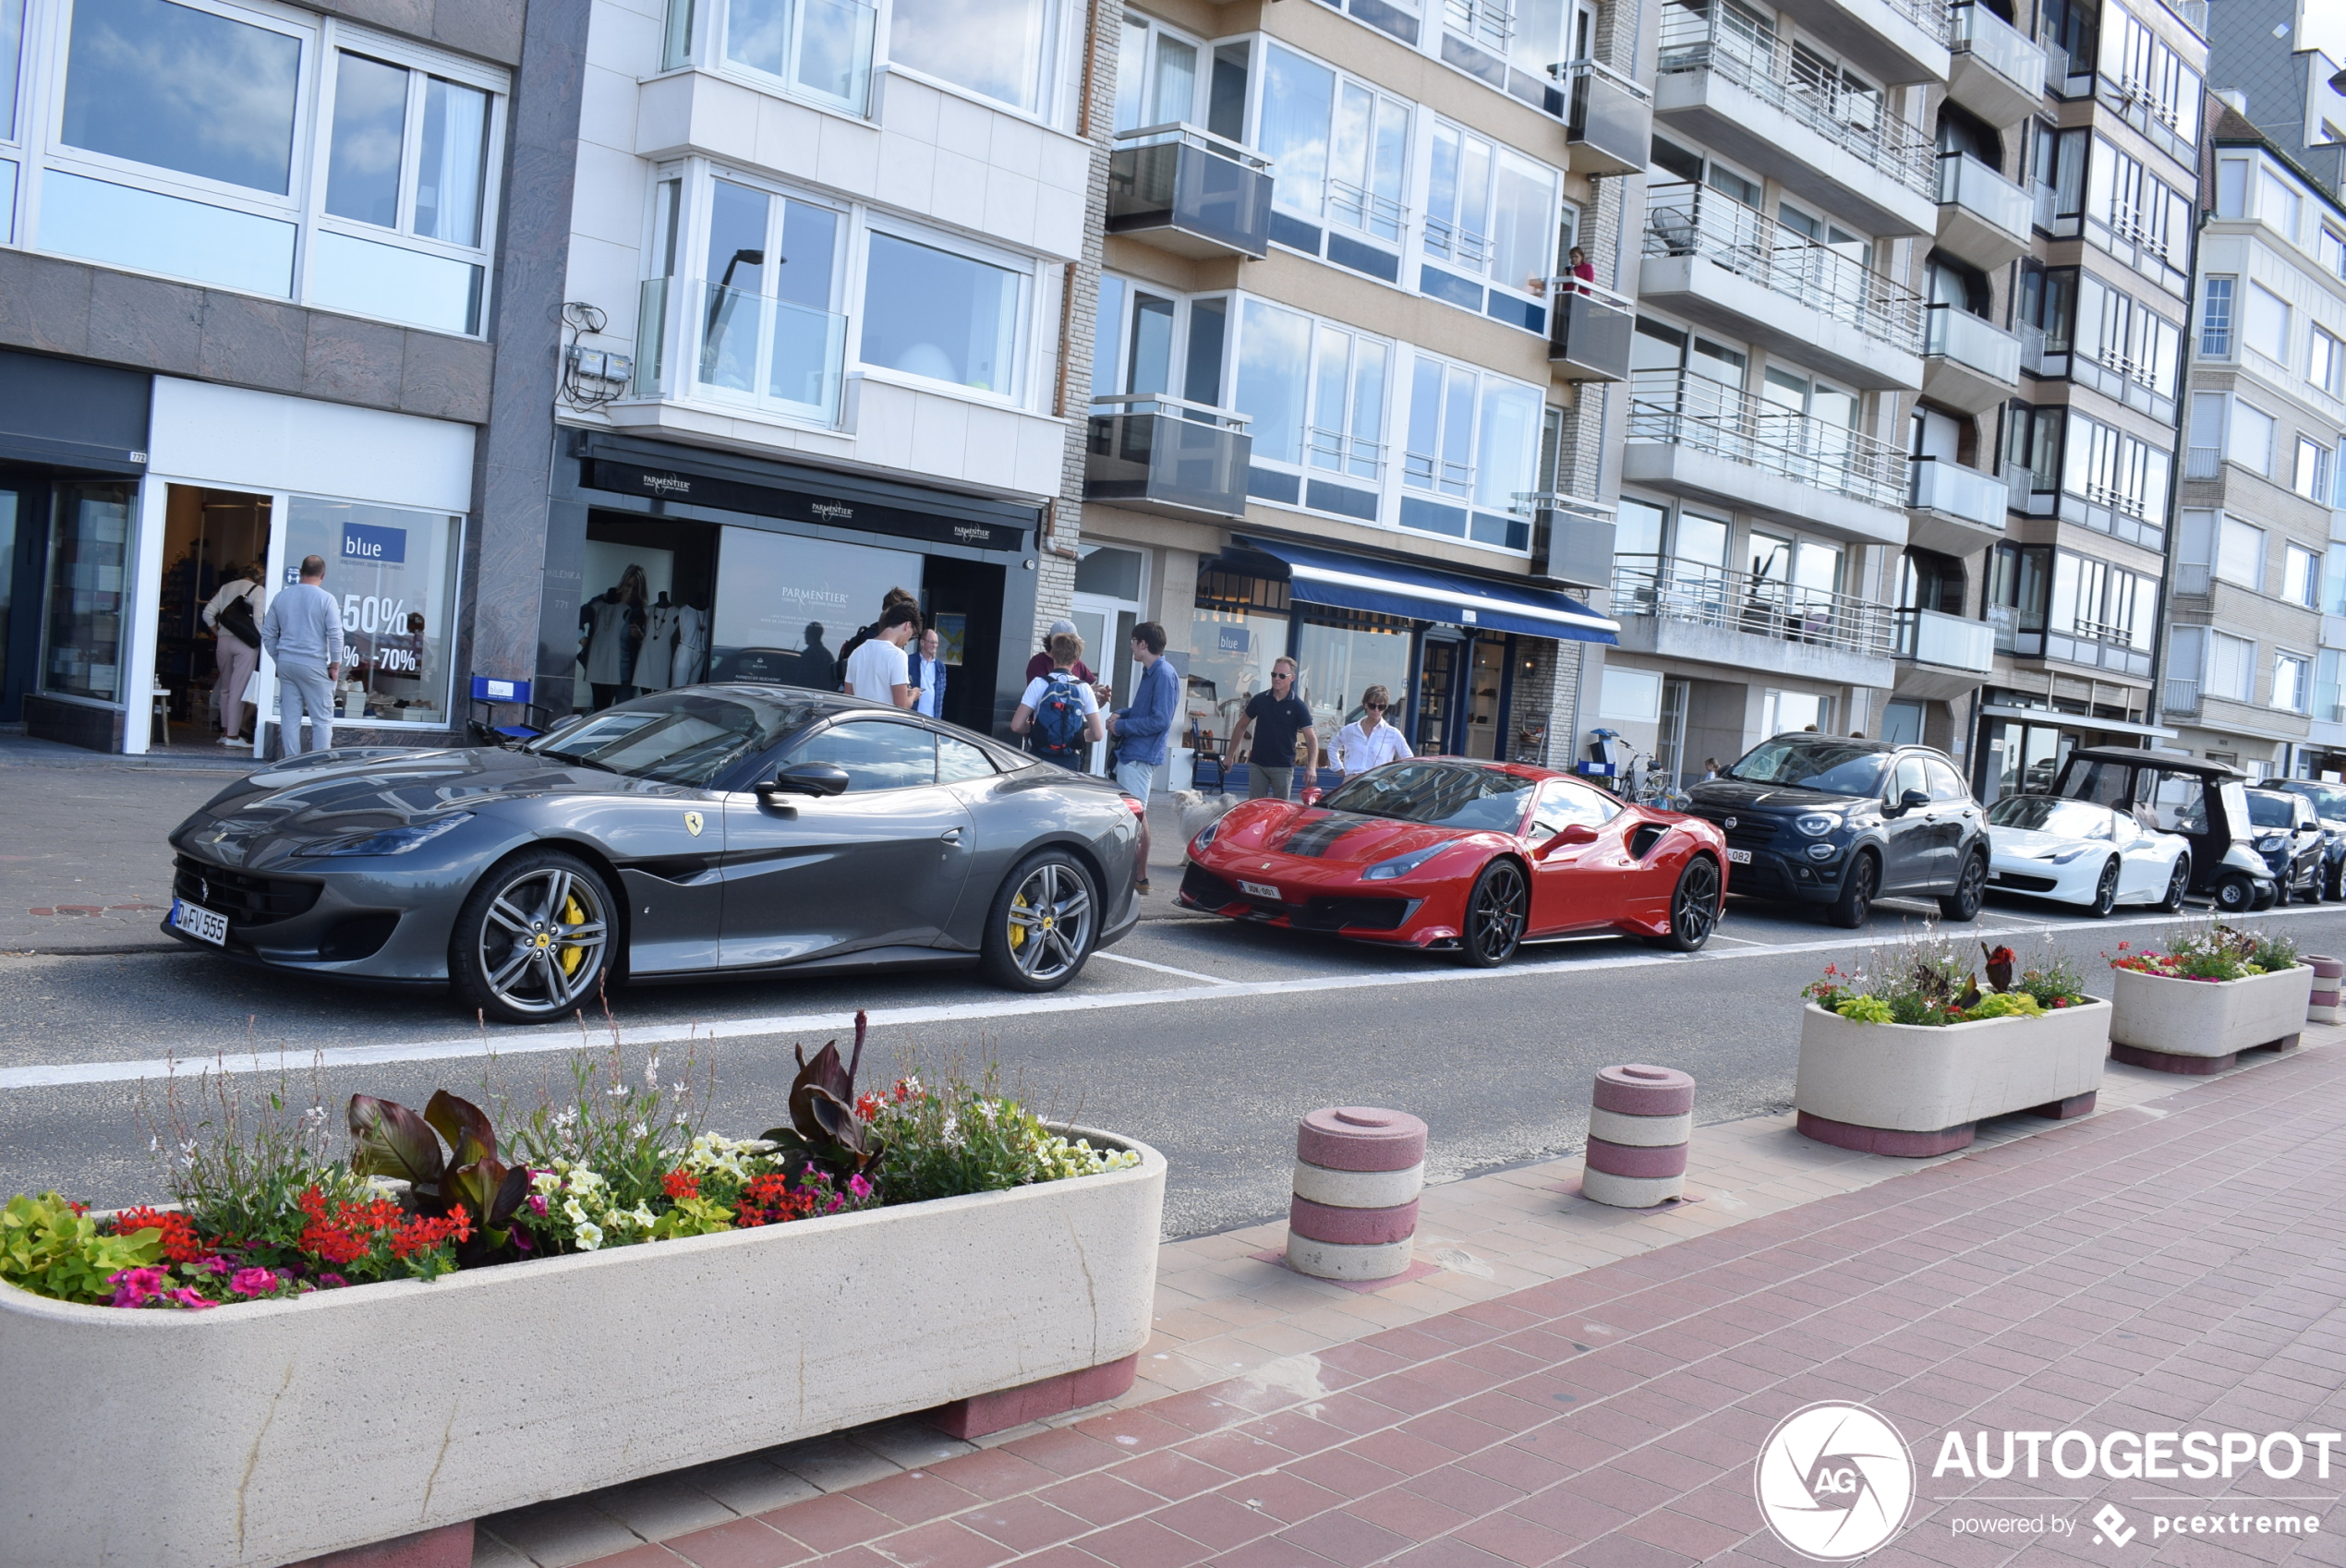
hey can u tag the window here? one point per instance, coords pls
(2142, 74)
(2302, 576)
(1315, 393)
(1342, 657)
(2331, 245)
(1489, 212)
(764, 302)
(1473, 441)
(2326, 365)
(2216, 318)
(2240, 553)
(89, 553)
(1780, 713)
(1630, 694)
(2310, 476)
(2136, 216)
(2278, 204)
(997, 49)
(2292, 682)
(1142, 347)
(958, 762)
(946, 317)
(1339, 152)
(2232, 667)
(1945, 783)
(395, 573)
(2266, 327)
(2333, 599)
(1156, 76)
(2327, 673)
(877, 754)
(2232, 187)
(2124, 340)
(131, 65)
(2249, 443)
(1562, 805)
(821, 49)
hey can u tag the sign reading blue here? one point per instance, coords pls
(1234, 639)
(363, 541)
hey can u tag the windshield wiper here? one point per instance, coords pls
(583, 760)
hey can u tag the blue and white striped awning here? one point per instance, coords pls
(1427, 593)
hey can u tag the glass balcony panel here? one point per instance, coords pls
(1571, 537)
(769, 352)
(1995, 43)
(1686, 219)
(1611, 127)
(1679, 408)
(1589, 330)
(1166, 453)
(1974, 340)
(1184, 191)
(1950, 487)
(1967, 182)
(651, 337)
(1927, 636)
(1673, 589)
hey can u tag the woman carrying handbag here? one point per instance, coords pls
(234, 615)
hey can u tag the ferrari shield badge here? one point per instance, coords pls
(693, 823)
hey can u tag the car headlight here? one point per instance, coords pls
(391, 841)
(1206, 835)
(1401, 865)
(1816, 825)
(2270, 842)
(2062, 857)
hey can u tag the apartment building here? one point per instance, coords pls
(1348, 394)
(2254, 565)
(257, 265)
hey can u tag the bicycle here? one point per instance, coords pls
(1635, 777)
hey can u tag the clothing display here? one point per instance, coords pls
(656, 661)
(692, 645)
(606, 619)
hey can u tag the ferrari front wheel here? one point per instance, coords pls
(1495, 915)
(1694, 907)
(533, 941)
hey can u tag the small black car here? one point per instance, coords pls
(2289, 837)
(1815, 819)
(2329, 807)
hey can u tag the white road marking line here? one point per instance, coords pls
(1165, 969)
(522, 1042)
(1739, 941)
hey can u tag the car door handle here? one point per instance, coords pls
(951, 836)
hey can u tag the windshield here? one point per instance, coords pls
(2269, 809)
(2330, 800)
(1442, 794)
(1834, 767)
(2050, 814)
(680, 737)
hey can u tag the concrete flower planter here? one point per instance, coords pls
(2202, 1026)
(279, 1432)
(1915, 1091)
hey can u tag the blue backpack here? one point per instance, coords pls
(1058, 721)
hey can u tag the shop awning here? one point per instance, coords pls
(1426, 593)
(2075, 721)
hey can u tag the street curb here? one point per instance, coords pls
(113, 949)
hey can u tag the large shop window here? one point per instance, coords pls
(1238, 626)
(1473, 448)
(89, 554)
(394, 570)
(315, 163)
(997, 49)
(1342, 656)
(932, 313)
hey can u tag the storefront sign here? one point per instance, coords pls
(766, 501)
(362, 541)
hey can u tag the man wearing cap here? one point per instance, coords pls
(1040, 667)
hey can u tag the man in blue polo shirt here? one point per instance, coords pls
(1140, 731)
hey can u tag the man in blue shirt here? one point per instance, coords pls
(1140, 731)
(303, 637)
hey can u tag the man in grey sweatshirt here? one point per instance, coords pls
(303, 635)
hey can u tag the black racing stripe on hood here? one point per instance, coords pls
(1314, 840)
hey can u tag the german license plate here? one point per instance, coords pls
(1259, 890)
(1738, 857)
(203, 924)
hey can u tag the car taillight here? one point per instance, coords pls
(1140, 808)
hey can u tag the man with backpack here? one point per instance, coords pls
(1059, 710)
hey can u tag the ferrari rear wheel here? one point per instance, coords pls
(1495, 915)
(1044, 919)
(533, 941)
(2105, 891)
(1694, 905)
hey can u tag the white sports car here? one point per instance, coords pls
(2079, 852)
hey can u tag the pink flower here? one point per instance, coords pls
(136, 1287)
(537, 1205)
(253, 1282)
(332, 1282)
(859, 1187)
(187, 1297)
(214, 1264)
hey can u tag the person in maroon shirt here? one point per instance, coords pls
(1040, 665)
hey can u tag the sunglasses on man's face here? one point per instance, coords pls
(1281, 675)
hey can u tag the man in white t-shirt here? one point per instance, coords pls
(1050, 708)
(877, 670)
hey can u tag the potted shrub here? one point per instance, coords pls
(2211, 992)
(1907, 1055)
(311, 1355)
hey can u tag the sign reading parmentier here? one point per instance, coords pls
(275, 1431)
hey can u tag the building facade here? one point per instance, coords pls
(266, 283)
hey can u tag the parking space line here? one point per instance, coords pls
(1163, 969)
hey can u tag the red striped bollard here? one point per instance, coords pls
(1358, 1172)
(1637, 1131)
(2324, 1007)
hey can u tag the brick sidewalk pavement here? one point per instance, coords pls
(2171, 1265)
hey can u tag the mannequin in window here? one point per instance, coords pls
(692, 642)
(613, 623)
(656, 664)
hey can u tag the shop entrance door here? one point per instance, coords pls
(204, 682)
(16, 535)
(1462, 697)
(1438, 666)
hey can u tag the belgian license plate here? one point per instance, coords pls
(1738, 857)
(203, 924)
(1259, 890)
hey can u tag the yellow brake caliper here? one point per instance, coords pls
(1018, 932)
(573, 953)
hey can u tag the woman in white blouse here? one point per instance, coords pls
(1368, 742)
(236, 659)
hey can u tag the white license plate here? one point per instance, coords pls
(1738, 857)
(203, 924)
(1259, 890)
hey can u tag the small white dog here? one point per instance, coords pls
(1197, 811)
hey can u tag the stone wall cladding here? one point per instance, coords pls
(490, 29)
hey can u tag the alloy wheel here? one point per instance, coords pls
(1050, 923)
(2105, 890)
(1694, 907)
(2178, 883)
(1496, 916)
(542, 944)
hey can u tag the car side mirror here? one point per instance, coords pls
(1571, 833)
(1308, 796)
(1910, 801)
(808, 778)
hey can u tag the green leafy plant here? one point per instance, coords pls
(622, 1124)
(237, 1163)
(1926, 983)
(2212, 952)
(958, 1137)
(389, 1139)
(52, 1248)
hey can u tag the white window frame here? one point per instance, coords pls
(2259, 306)
(2249, 545)
(2303, 666)
(704, 48)
(1349, 448)
(1050, 86)
(1485, 270)
(2301, 581)
(871, 221)
(2247, 655)
(2310, 475)
(1432, 485)
(2232, 445)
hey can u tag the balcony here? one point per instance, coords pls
(2203, 462)
(1190, 192)
(1730, 267)
(1162, 454)
(1951, 509)
(1942, 655)
(1693, 610)
(703, 343)
(1894, 42)
(1721, 446)
(1609, 127)
(1983, 217)
(1734, 84)
(1994, 71)
(1968, 362)
(1589, 331)
(2181, 694)
(1571, 538)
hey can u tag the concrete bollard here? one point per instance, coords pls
(1638, 1126)
(2323, 1006)
(1358, 1173)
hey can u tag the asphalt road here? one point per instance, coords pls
(1204, 1038)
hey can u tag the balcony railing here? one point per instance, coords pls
(1673, 589)
(1953, 332)
(1678, 408)
(1965, 182)
(2181, 694)
(1189, 191)
(1609, 126)
(1686, 219)
(1168, 453)
(1952, 490)
(1927, 636)
(2193, 579)
(1571, 536)
(1711, 36)
(1589, 331)
(2203, 462)
(706, 342)
(1996, 44)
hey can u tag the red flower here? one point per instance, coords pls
(680, 1184)
(180, 1242)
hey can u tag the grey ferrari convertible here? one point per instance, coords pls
(717, 829)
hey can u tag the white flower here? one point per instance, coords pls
(589, 1237)
(637, 1131)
